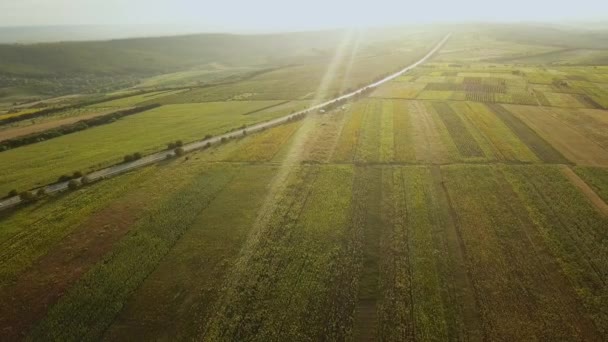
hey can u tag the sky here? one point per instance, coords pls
(268, 15)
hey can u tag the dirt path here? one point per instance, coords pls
(599, 204)
(21, 131)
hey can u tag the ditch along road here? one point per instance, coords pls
(197, 145)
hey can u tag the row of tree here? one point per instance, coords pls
(71, 128)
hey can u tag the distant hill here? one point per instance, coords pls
(65, 33)
(579, 37)
(146, 56)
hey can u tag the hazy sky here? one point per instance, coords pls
(285, 14)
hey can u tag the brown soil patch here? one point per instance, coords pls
(11, 133)
(39, 287)
(572, 144)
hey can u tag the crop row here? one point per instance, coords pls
(462, 137)
(521, 294)
(537, 144)
(574, 233)
(196, 267)
(288, 263)
(91, 305)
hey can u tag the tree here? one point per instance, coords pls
(179, 151)
(73, 184)
(27, 197)
(13, 193)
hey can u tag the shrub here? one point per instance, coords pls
(27, 197)
(13, 193)
(179, 143)
(77, 174)
(179, 151)
(208, 136)
(63, 178)
(136, 156)
(73, 184)
(171, 146)
(41, 193)
(128, 158)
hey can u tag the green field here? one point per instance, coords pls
(146, 132)
(465, 200)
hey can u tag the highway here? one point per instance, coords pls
(158, 156)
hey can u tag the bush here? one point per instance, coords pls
(77, 174)
(223, 140)
(63, 178)
(136, 156)
(171, 146)
(208, 136)
(13, 193)
(128, 158)
(73, 184)
(27, 197)
(179, 151)
(208, 145)
(179, 143)
(41, 193)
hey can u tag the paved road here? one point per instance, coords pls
(156, 157)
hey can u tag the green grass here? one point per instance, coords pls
(27, 167)
(135, 100)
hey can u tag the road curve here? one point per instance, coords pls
(158, 156)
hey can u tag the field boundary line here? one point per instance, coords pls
(586, 190)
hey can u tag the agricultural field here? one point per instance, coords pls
(464, 200)
(145, 132)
